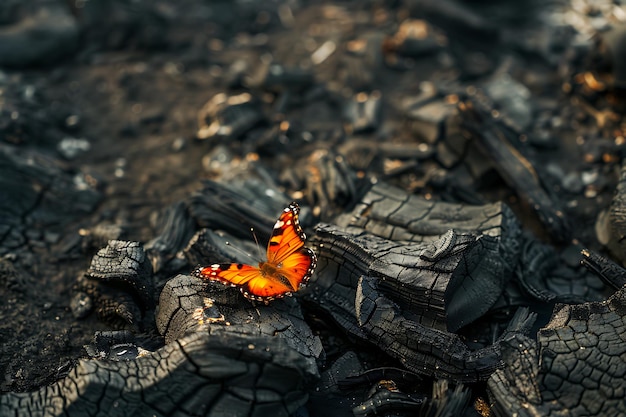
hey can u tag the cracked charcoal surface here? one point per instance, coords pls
(343, 258)
(119, 280)
(228, 366)
(223, 310)
(482, 275)
(390, 212)
(428, 349)
(617, 215)
(34, 189)
(218, 375)
(576, 365)
(124, 263)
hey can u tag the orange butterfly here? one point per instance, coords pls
(289, 264)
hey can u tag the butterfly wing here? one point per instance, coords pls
(289, 264)
(249, 279)
(286, 250)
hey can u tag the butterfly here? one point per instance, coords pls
(289, 264)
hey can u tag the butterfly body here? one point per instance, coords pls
(289, 264)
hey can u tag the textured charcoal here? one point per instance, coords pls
(174, 232)
(119, 286)
(514, 167)
(248, 361)
(545, 276)
(34, 191)
(419, 283)
(390, 212)
(577, 364)
(124, 263)
(223, 310)
(229, 206)
(334, 185)
(219, 374)
(617, 218)
(421, 348)
(418, 277)
(610, 272)
(405, 297)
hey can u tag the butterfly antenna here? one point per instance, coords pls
(239, 250)
(258, 247)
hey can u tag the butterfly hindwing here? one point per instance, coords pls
(248, 278)
(230, 274)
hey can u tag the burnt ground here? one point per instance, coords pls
(136, 75)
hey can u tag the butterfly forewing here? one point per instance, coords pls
(287, 236)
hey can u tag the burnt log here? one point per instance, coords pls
(438, 286)
(617, 219)
(577, 364)
(497, 142)
(392, 213)
(424, 349)
(425, 277)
